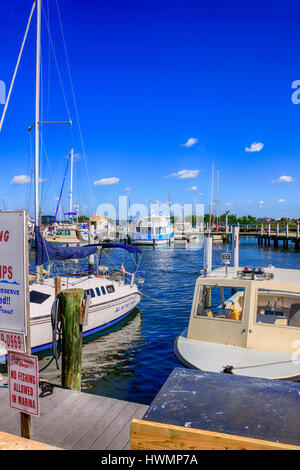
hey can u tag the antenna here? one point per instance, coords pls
(211, 197)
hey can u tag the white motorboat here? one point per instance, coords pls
(153, 230)
(246, 322)
(67, 235)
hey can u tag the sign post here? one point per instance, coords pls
(15, 313)
(226, 258)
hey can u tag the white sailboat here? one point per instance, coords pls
(113, 294)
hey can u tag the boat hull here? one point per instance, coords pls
(216, 357)
(100, 317)
(152, 242)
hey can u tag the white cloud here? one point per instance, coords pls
(106, 181)
(190, 142)
(184, 174)
(261, 203)
(281, 200)
(127, 189)
(283, 179)
(193, 188)
(21, 179)
(229, 204)
(255, 147)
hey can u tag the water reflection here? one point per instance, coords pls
(108, 363)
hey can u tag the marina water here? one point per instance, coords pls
(132, 360)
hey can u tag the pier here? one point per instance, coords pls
(266, 235)
(194, 410)
(72, 420)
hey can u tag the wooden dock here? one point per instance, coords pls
(194, 410)
(279, 239)
(76, 420)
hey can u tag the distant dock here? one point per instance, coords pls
(265, 236)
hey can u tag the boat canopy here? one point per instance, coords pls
(46, 252)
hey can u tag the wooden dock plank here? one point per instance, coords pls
(95, 430)
(148, 435)
(64, 405)
(120, 441)
(12, 442)
(74, 420)
(111, 431)
(67, 414)
(78, 424)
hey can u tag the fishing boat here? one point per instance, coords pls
(153, 230)
(244, 321)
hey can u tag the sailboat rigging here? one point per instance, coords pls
(114, 293)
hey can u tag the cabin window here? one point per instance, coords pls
(103, 290)
(38, 297)
(278, 308)
(63, 232)
(89, 292)
(110, 289)
(220, 302)
(98, 291)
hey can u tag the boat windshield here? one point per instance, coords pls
(63, 232)
(220, 302)
(278, 308)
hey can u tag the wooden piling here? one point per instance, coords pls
(57, 284)
(71, 301)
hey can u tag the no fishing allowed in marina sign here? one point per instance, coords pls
(14, 312)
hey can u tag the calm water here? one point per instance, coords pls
(133, 360)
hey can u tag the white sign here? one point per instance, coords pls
(13, 341)
(23, 382)
(226, 257)
(13, 275)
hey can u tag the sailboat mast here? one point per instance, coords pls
(71, 183)
(37, 112)
(37, 120)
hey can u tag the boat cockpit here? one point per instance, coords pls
(249, 307)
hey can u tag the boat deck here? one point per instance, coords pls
(76, 420)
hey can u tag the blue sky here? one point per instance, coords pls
(163, 89)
